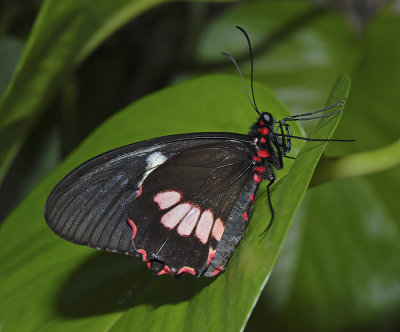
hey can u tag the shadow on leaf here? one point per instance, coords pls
(107, 283)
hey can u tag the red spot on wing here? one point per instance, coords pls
(255, 158)
(245, 216)
(149, 265)
(134, 228)
(263, 153)
(218, 270)
(164, 271)
(211, 255)
(215, 272)
(256, 178)
(139, 192)
(263, 140)
(261, 122)
(143, 253)
(188, 270)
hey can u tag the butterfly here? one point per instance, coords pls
(180, 202)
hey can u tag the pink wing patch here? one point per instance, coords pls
(218, 229)
(166, 199)
(173, 217)
(188, 215)
(204, 226)
(189, 221)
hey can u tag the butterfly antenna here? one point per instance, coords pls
(241, 76)
(252, 103)
(300, 117)
(251, 64)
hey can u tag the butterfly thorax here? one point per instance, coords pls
(269, 148)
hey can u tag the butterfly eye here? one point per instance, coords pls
(267, 117)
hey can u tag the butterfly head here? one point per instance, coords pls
(268, 119)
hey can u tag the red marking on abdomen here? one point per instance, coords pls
(143, 253)
(134, 228)
(263, 153)
(252, 198)
(245, 217)
(259, 169)
(211, 255)
(256, 178)
(255, 158)
(139, 192)
(164, 271)
(218, 229)
(166, 199)
(264, 131)
(186, 269)
(149, 265)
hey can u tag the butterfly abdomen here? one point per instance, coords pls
(234, 229)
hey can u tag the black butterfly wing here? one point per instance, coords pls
(192, 211)
(89, 206)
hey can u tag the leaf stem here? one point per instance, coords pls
(357, 164)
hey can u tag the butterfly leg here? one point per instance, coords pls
(271, 181)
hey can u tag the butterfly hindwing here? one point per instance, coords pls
(182, 208)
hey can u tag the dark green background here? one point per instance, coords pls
(76, 64)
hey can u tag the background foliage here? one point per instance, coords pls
(76, 64)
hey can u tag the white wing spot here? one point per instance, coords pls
(153, 160)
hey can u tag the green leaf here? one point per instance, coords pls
(64, 34)
(341, 267)
(57, 285)
(10, 51)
